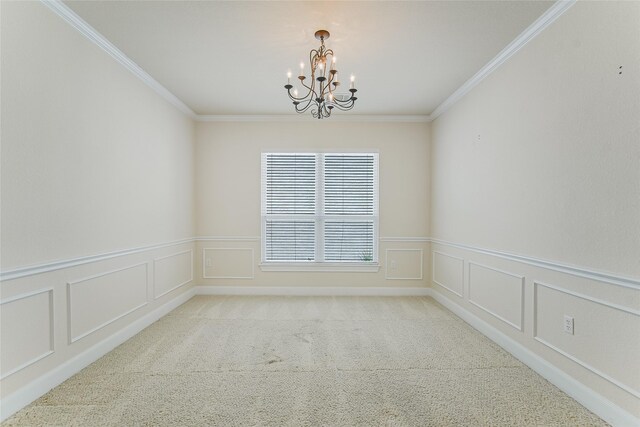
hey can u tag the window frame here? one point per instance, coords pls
(319, 218)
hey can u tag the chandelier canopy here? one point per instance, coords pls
(321, 91)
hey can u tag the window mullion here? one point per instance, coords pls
(319, 207)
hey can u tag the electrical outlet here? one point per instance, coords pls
(209, 262)
(394, 265)
(568, 324)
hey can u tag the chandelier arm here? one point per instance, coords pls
(344, 103)
(294, 98)
(326, 110)
(344, 106)
(311, 88)
(305, 108)
(331, 79)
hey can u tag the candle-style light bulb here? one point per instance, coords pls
(353, 79)
(289, 77)
(302, 68)
(333, 63)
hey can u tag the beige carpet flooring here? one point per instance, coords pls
(307, 361)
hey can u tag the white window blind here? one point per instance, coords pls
(320, 207)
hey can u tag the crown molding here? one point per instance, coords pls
(546, 19)
(63, 11)
(308, 118)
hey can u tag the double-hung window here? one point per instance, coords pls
(320, 209)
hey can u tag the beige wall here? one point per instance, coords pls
(228, 189)
(542, 159)
(93, 161)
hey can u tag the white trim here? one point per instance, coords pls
(433, 272)
(51, 329)
(585, 365)
(546, 19)
(610, 278)
(227, 238)
(383, 118)
(386, 259)
(72, 339)
(587, 397)
(17, 273)
(600, 276)
(155, 297)
(204, 266)
(312, 290)
(62, 10)
(519, 327)
(405, 239)
(30, 392)
(324, 267)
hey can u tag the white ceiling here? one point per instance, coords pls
(231, 58)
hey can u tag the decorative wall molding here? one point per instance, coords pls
(321, 267)
(610, 278)
(227, 239)
(573, 358)
(593, 401)
(155, 260)
(73, 262)
(204, 263)
(39, 386)
(519, 327)
(51, 349)
(546, 19)
(367, 118)
(71, 338)
(387, 269)
(62, 10)
(405, 239)
(311, 291)
(433, 272)
(537, 262)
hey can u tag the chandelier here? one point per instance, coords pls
(321, 96)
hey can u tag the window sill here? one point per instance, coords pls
(328, 267)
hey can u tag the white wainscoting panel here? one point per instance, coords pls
(404, 264)
(96, 301)
(448, 272)
(598, 325)
(27, 330)
(172, 271)
(497, 292)
(228, 263)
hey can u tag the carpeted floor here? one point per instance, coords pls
(307, 361)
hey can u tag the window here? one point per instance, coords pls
(320, 209)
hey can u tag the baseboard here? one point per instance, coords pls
(311, 291)
(27, 394)
(588, 398)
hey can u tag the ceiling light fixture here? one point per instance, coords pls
(321, 94)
